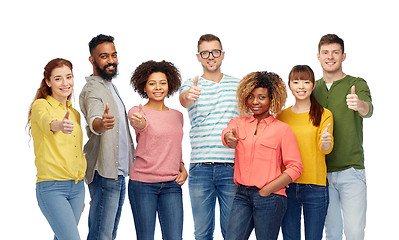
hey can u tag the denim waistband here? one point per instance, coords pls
(248, 187)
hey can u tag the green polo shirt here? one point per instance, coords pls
(348, 124)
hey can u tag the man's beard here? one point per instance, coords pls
(103, 72)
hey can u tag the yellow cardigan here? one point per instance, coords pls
(309, 140)
(59, 156)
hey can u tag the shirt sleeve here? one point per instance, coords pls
(94, 108)
(363, 92)
(291, 155)
(41, 115)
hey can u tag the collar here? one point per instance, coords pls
(97, 79)
(267, 120)
(55, 103)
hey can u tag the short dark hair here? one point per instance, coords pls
(208, 38)
(331, 38)
(144, 70)
(101, 38)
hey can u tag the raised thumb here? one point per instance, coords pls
(66, 115)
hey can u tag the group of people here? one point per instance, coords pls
(264, 165)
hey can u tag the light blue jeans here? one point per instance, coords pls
(148, 199)
(107, 197)
(348, 204)
(208, 182)
(61, 202)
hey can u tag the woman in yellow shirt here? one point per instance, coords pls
(57, 138)
(312, 126)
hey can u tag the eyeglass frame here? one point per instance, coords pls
(211, 52)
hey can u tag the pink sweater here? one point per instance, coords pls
(159, 150)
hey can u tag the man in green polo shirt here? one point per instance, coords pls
(349, 99)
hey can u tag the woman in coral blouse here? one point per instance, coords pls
(158, 172)
(57, 138)
(264, 145)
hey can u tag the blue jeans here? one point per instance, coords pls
(146, 199)
(61, 202)
(107, 197)
(348, 204)
(251, 210)
(313, 199)
(208, 182)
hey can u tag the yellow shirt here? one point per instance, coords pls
(59, 156)
(309, 141)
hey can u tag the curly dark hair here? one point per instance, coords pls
(101, 38)
(275, 88)
(144, 70)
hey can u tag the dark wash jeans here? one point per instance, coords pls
(313, 200)
(251, 210)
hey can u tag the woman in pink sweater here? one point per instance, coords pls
(158, 172)
(267, 157)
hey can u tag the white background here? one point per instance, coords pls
(256, 35)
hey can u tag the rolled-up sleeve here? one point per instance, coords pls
(291, 155)
(92, 107)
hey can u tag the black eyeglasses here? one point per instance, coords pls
(206, 54)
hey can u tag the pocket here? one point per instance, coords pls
(242, 136)
(193, 166)
(269, 150)
(360, 174)
(45, 185)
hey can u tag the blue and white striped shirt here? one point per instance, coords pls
(209, 115)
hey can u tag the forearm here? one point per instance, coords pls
(277, 184)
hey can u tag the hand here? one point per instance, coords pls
(264, 192)
(182, 176)
(326, 138)
(137, 119)
(66, 126)
(352, 100)
(188, 97)
(231, 138)
(194, 92)
(108, 120)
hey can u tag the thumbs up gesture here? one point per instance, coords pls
(137, 120)
(194, 92)
(188, 97)
(65, 126)
(326, 138)
(231, 138)
(352, 100)
(108, 120)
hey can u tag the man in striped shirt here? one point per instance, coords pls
(211, 103)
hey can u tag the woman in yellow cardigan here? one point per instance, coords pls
(312, 126)
(57, 139)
